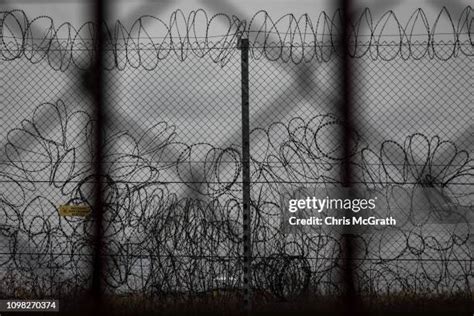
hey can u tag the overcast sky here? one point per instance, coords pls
(77, 11)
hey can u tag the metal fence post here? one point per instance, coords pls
(244, 47)
(351, 304)
(98, 80)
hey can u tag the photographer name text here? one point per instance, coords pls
(316, 206)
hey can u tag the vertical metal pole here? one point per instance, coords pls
(244, 47)
(97, 75)
(51, 278)
(351, 306)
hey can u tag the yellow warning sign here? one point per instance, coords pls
(74, 210)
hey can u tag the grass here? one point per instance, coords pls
(227, 304)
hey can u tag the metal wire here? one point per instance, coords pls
(172, 161)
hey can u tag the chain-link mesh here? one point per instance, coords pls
(173, 172)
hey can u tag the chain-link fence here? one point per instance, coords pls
(172, 165)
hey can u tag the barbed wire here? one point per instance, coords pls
(160, 242)
(290, 38)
